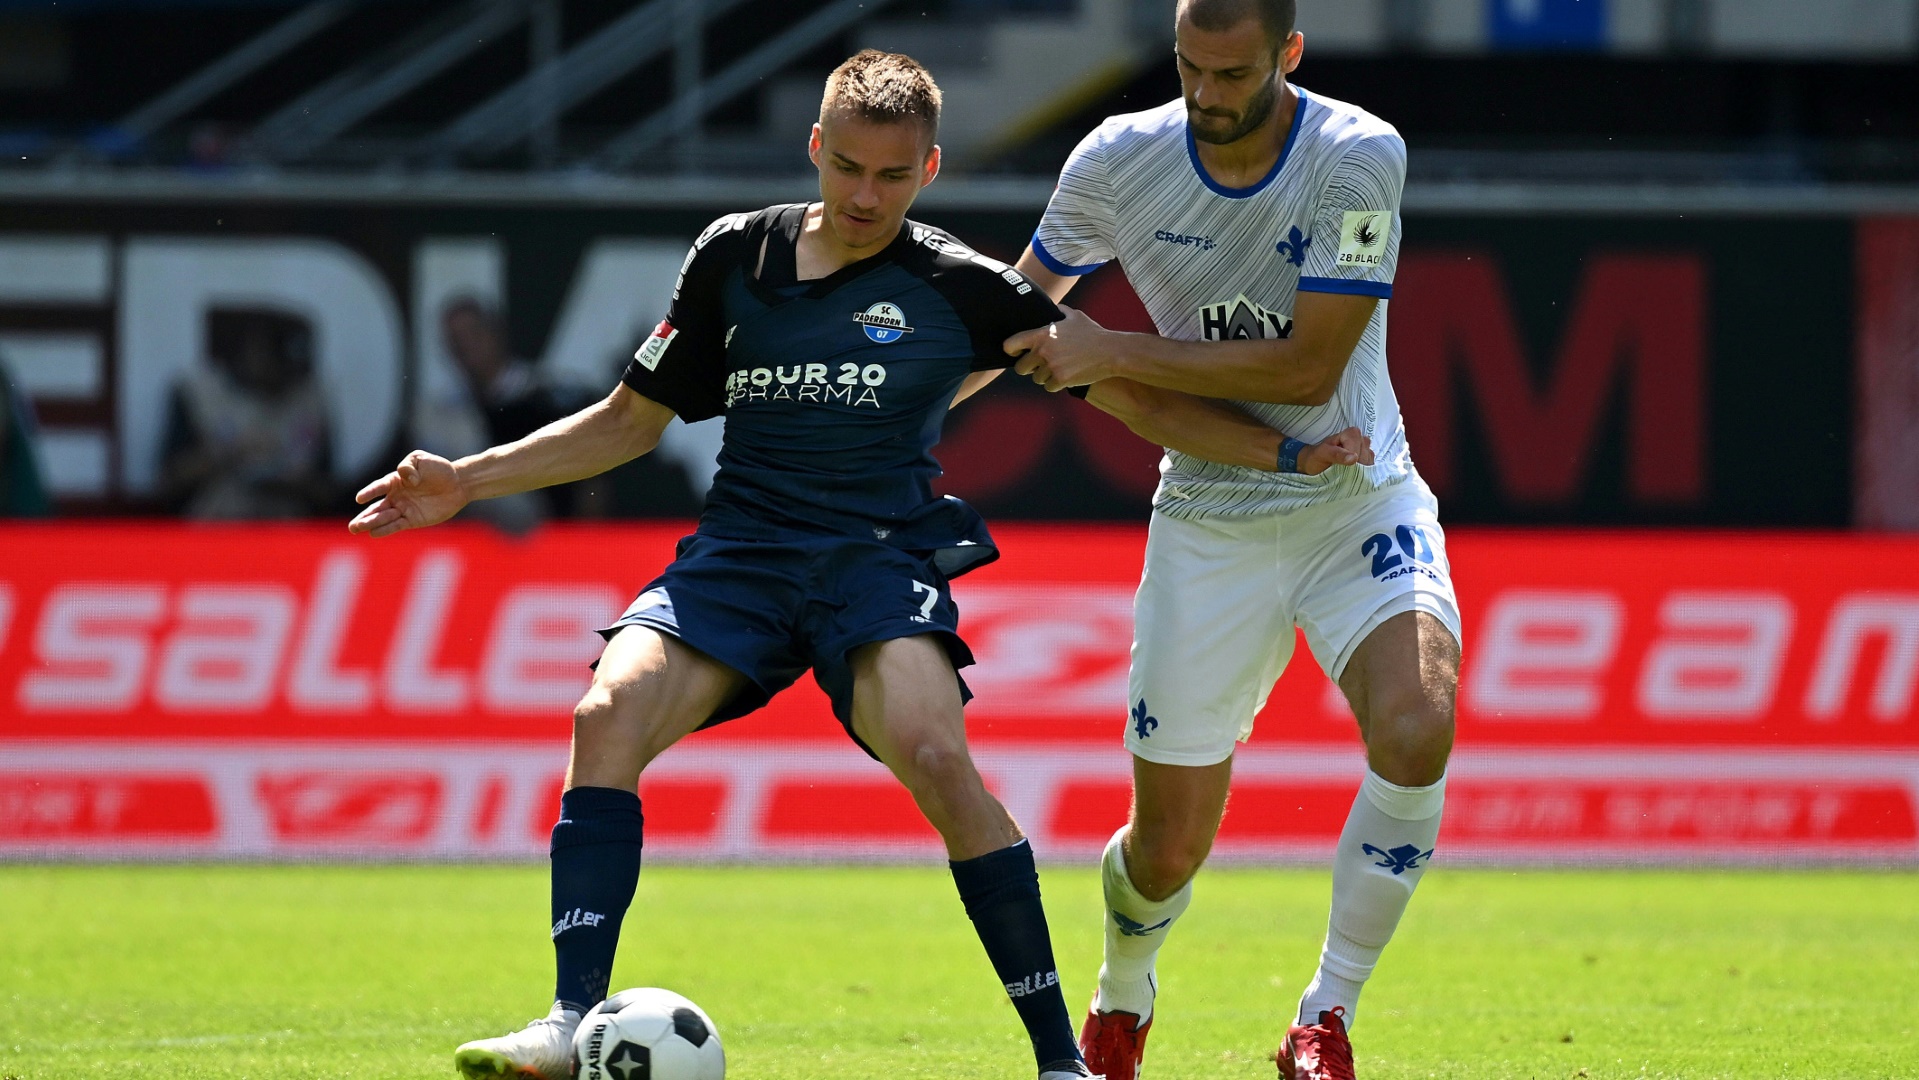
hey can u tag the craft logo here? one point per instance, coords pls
(1191, 240)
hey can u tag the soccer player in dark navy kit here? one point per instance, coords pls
(834, 337)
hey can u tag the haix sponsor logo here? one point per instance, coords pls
(1032, 984)
(577, 917)
(820, 384)
(1200, 243)
(1240, 319)
(884, 323)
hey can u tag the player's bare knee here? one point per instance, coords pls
(1161, 873)
(1410, 747)
(610, 723)
(1160, 862)
(594, 725)
(595, 714)
(940, 767)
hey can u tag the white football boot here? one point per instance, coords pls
(1064, 1070)
(542, 1050)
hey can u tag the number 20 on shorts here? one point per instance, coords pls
(1412, 541)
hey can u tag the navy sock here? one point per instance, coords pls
(1001, 893)
(596, 866)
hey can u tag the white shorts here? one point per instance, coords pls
(1213, 620)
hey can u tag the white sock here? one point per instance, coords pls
(1135, 929)
(1383, 851)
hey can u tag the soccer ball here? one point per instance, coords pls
(647, 1034)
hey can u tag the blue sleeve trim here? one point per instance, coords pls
(1063, 269)
(1382, 290)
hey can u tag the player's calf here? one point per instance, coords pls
(647, 691)
(1400, 682)
(907, 708)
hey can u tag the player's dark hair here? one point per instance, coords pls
(1277, 17)
(886, 88)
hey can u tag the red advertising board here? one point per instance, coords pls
(276, 691)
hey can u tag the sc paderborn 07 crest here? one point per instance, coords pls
(884, 323)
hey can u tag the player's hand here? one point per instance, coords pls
(1075, 351)
(423, 490)
(1349, 447)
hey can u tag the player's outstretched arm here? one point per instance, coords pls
(1216, 431)
(1303, 369)
(426, 489)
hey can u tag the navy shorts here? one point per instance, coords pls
(770, 611)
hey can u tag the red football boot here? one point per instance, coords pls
(1114, 1043)
(1317, 1051)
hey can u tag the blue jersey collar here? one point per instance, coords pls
(1292, 136)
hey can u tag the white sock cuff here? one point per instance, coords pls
(1403, 803)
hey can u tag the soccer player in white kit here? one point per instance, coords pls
(1260, 226)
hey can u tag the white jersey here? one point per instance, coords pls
(1213, 263)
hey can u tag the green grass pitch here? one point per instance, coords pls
(811, 972)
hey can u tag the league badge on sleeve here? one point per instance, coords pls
(884, 323)
(1362, 238)
(655, 346)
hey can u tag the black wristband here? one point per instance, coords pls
(1289, 455)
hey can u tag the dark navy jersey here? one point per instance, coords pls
(833, 389)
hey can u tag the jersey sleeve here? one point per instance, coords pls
(996, 302)
(1354, 247)
(682, 363)
(1075, 235)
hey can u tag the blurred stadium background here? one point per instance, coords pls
(1656, 335)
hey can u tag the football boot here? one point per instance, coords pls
(542, 1050)
(1317, 1051)
(1114, 1043)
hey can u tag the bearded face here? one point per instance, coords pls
(1220, 124)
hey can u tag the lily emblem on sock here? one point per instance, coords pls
(1400, 859)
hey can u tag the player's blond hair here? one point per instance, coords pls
(885, 88)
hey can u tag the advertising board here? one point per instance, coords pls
(293, 692)
(1553, 368)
